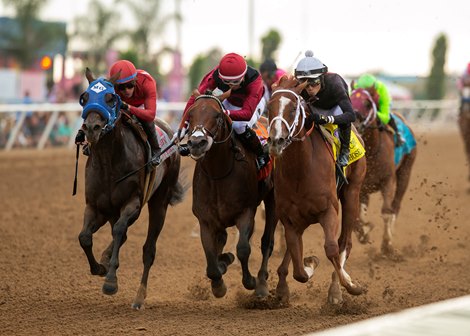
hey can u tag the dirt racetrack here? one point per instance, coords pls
(46, 287)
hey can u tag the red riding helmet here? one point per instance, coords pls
(128, 71)
(232, 67)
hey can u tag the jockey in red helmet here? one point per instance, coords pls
(138, 91)
(245, 103)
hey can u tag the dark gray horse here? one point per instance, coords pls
(115, 151)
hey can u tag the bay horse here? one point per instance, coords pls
(116, 150)
(226, 193)
(464, 117)
(306, 192)
(387, 171)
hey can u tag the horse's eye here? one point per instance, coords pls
(110, 99)
(84, 98)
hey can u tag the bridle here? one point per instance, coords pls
(293, 128)
(220, 122)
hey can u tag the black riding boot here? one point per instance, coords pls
(149, 128)
(400, 141)
(345, 139)
(251, 141)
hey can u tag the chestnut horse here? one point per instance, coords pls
(306, 193)
(226, 192)
(384, 172)
(464, 117)
(115, 151)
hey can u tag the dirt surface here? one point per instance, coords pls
(46, 287)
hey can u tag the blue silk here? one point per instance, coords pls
(410, 141)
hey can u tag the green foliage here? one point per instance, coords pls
(270, 43)
(202, 64)
(435, 85)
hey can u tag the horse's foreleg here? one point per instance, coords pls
(403, 178)
(267, 245)
(209, 237)
(246, 226)
(129, 214)
(350, 213)
(301, 271)
(92, 221)
(157, 214)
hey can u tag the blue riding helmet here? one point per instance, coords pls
(97, 91)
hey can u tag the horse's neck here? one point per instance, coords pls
(220, 158)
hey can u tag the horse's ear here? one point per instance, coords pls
(196, 93)
(115, 77)
(89, 75)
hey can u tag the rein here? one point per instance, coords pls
(213, 135)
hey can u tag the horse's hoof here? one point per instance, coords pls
(137, 306)
(219, 290)
(100, 270)
(282, 294)
(335, 296)
(262, 290)
(355, 290)
(249, 282)
(110, 288)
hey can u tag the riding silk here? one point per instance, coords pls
(410, 141)
(96, 92)
(356, 150)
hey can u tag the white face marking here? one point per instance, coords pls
(283, 102)
(198, 134)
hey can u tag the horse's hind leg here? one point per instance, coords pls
(213, 241)
(267, 245)
(363, 226)
(282, 289)
(157, 213)
(403, 178)
(129, 214)
(91, 223)
(388, 216)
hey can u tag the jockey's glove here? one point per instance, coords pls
(320, 119)
(80, 138)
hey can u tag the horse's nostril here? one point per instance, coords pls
(270, 141)
(281, 141)
(96, 128)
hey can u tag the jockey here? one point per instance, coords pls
(138, 92)
(270, 75)
(382, 99)
(328, 100)
(245, 103)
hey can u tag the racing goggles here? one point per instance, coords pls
(232, 82)
(123, 86)
(310, 81)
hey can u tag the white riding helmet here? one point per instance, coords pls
(310, 67)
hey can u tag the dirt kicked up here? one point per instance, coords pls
(46, 286)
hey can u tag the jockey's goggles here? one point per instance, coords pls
(123, 86)
(310, 81)
(232, 82)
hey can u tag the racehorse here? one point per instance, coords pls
(306, 192)
(464, 117)
(385, 171)
(116, 150)
(226, 193)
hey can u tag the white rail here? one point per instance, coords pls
(421, 113)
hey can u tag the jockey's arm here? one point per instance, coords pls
(149, 112)
(383, 108)
(253, 97)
